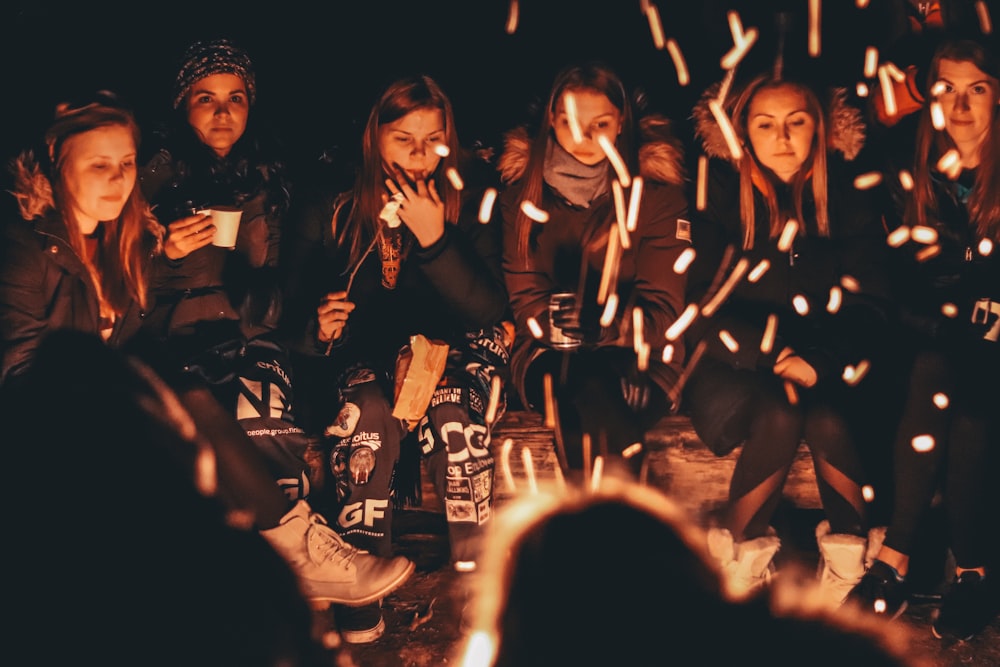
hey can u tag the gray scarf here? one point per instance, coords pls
(577, 183)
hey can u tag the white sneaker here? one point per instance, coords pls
(841, 563)
(329, 569)
(746, 566)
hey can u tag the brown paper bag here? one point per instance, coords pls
(419, 368)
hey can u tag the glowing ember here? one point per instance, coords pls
(791, 393)
(759, 270)
(880, 606)
(855, 374)
(608, 315)
(735, 150)
(637, 335)
(610, 269)
(494, 403)
(800, 304)
(985, 247)
(635, 195)
(727, 339)
(868, 180)
(937, 90)
(486, 205)
(814, 27)
(937, 115)
(620, 214)
(533, 212)
(701, 194)
(655, 26)
(505, 450)
(888, 96)
(535, 327)
(642, 358)
(572, 117)
(668, 354)
(733, 57)
(861, 89)
(836, 298)
(950, 163)
(512, 11)
(871, 62)
(788, 235)
(529, 469)
(983, 12)
(868, 493)
(441, 150)
(898, 236)
(928, 252)
(949, 309)
(906, 180)
(631, 450)
(924, 234)
(922, 443)
(616, 160)
(850, 283)
(456, 180)
(770, 331)
(675, 330)
(683, 77)
(598, 474)
(727, 287)
(684, 260)
(941, 400)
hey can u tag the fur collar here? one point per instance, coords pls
(845, 126)
(661, 157)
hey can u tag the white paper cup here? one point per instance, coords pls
(227, 225)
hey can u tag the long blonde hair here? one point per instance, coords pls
(752, 174)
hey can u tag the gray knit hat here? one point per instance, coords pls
(219, 56)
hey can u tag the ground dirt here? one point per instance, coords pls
(424, 617)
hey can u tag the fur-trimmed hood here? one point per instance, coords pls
(845, 126)
(661, 156)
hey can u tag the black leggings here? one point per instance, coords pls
(751, 408)
(965, 438)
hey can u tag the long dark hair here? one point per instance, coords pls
(984, 201)
(599, 78)
(361, 223)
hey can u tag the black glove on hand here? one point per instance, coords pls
(635, 389)
(568, 318)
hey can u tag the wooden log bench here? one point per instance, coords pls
(678, 463)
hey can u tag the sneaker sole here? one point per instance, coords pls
(323, 602)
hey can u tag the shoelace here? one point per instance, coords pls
(331, 544)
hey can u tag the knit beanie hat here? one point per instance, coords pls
(219, 56)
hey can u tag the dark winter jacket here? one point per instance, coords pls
(45, 286)
(810, 271)
(443, 292)
(575, 239)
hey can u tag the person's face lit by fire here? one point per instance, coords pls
(98, 172)
(217, 110)
(594, 115)
(969, 99)
(410, 143)
(781, 129)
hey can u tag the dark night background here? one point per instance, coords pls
(321, 64)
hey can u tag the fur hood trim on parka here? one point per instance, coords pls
(845, 125)
(661, 156)
(33, 192)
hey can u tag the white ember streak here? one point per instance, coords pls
(512, 11)
(573, 117)
(494, 403)
(727, 287)
(727, 129)
(486, 205)
(906, 179)
(733, 57)
(728, 340)
(985, 247)
(950, 164)
(941, 400)
(735, 25)
(867, 180)
(632, 450)
(620, 213)
(610, 308)
(455, 178)
(791, 393)
(616, 160)
(770, 332)
(533, 212)
(508, 476)
(635, 196)
(937, 90)
(529, 469)
(888, 95)
(441, 150)
(206, 477)
(668, 353)
(898, 236)
(850, 283)
(609, 272)
(701, 195)
(535, 328)
(922, 443)
(684, 260)
(788, 233)
(598, 474)
(642, 358)
(815, 27)
(638, 337)
(854, 374)
(924, 234)
(937, 115)
(897, 74)
(675, 330)
(550, 401)
(759, 270)
(983, 12)
(800, 304)
(928, 252)
(655, 25)
(836, 298)
(683, 76)
(871, 62)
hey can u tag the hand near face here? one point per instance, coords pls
(794, 368)
(332, 316)
(185, 235)
(421, 209)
